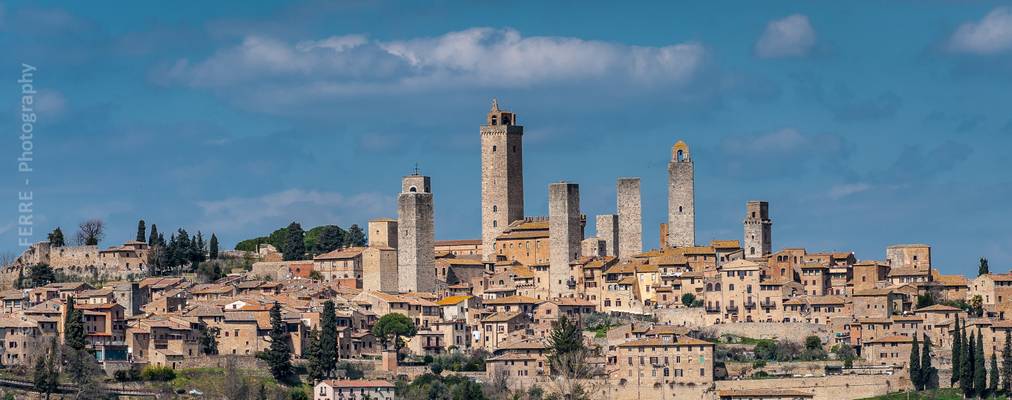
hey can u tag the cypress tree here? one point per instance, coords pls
(213, 251)
(983, 269)
(154, 235)
(979, 371)
(279, 354)
(929, 375)
(957, 352)
(314, 368)
(73, 327)
(1006, 367)
(294, 245)
(915, 366)
(140, 231)
(967, 364)
(328, 338)
(992, 386)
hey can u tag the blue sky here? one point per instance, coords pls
(864, 124)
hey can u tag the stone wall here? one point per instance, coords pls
(565, 233)
(607, 230)
(795, 331)
(630, 217)
(416, 237)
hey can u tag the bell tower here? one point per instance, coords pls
(502, 176)
(681, 198)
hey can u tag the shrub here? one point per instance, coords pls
(157, 373)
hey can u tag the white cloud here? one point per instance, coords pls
(993, 34)
(50, 103)
(478, 56)
(843, 190)
(791, 36)
(783, 141)
(292, 204)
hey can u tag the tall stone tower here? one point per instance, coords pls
(502, 176)
(758, 230)
(565, 232)
(607, 230)
(379, 260)
(416, 236)
(681, 198)
(630, 217)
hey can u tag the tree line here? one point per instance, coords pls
(968, 365)
(296, 244)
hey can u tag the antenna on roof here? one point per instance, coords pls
(416, 169)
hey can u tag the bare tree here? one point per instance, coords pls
(575, 377)
(90, 232)
(7, 258)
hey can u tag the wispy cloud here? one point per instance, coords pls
(791, 36)
(479, 56)
(846, 189)
(990, 35)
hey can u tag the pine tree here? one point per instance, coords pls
(979, 371)
(992, 386)
(355, 237)
(73, 327)
(967, 364)
(140, 231)
(983, 269)
(328, 338)
(929, 375)
(153, 239)
(1006, 367)
(915, 365)
(314, 367)
(56, 238)
(213, 253)
(294, 245)
(957, 352)
(279, 354)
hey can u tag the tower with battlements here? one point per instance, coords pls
(502, 176)
(416, 271)
(758, 230)
(681, 198)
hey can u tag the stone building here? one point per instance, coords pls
(416, 260)
(663, 360)
(681, 198)
(758, 230)
(525, 241)
(565, 234)
(502, 176)
(379, 260)
(607, 230)
(630, 217)
(914, 256)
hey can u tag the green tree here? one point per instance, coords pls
(977, 306)
(279, 354)
(40, 374)
(467, 390)
(41, 275)
(967, 364)
(688, 299)
(314, 365)
(915, 365)
(979, 371)
(355, 237)
(323, 239)
(929, 374)
(56, 238)
(208, 339)
(565, 337)
(392, 327)
(957, 353)
(983, 269)
(73, 327)
(1006, 367)
(140, 231)
(992, 386)
(328, 338)
(19, 282)
(295, 245)
(153, 238)
(262, 393)
(46, 374)
(213, 253)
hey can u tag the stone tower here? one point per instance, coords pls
(758, 230)
(416, 236)
(681, 198)
(502, 176)
(630, 220)
(607, 230)
(383, 232)
(565, 232)
(379, 260)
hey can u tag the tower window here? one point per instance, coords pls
(514, 149)
(494, 120)
(495, 208)
(493, 149)
(413, 189)
(679, 209)
(752, 250)
(681, 156)
(495, 223)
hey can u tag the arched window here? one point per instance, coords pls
(495, 208)
(413, 189)
(679, 209)
(681, 156)
(494, 120)
(752, 250)
(495, 223)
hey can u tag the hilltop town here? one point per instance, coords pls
(538, 307)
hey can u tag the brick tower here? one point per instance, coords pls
(681, 198)
(415, 236)
(565, 232)
(502, 176)
(758, 230)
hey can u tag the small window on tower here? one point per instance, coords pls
(495, 208)
(681, 156)
(493, 120)
(493, 149)
(514, 149)
(679, 209)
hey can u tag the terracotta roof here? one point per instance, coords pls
(725, 244)
(460, 242)
(341, 254)
(501, 316)
(740, 264)
(937, 307)
(452, 300)
(357, 383)
(512, 300)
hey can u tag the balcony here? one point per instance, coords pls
(750, 305)
(712, 309)
(766, 305)
(731, 308)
